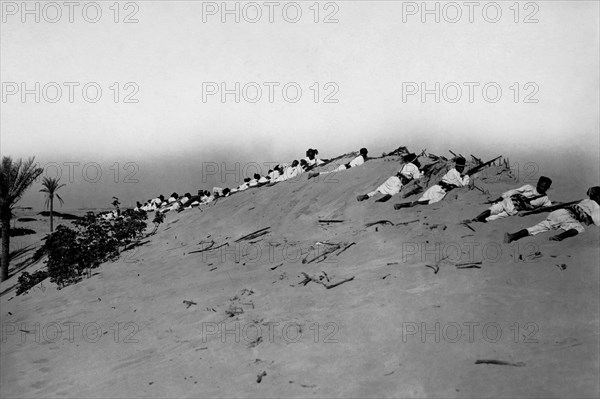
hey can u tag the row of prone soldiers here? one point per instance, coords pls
(569, 217)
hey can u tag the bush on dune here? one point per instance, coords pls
(94, 240)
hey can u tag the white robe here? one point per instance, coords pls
(289, 173)
(393, 184)
(506, 207)
(436, 193)
(359, 160)
(313, 162)
(563, 219)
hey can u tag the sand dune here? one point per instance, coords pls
(171, 320)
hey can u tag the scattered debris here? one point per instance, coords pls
(379, 222)
(562, 266)
(499, 362)
(470, 266)
(435, 268)
(331, 221)
(405, 223)
(275, 267)
(255, 342)
(209, 248)
(260, 376)
(189, 303)
(530, 257)
(308, 279)
(328, 251)
(254, 235)
(472, 185)
(467, 263)
(338, 254)
(234, 310)
(435, 226)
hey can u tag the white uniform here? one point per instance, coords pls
(436, 193)
(313, 162)
(564, 219)
(359, 160)
(506, 207)
(289, 173)
(393, 184)
(274, 175)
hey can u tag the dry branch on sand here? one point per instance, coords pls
(254, 235)
(308, 279)
(328, 251)
(499, 362)
(210, 248)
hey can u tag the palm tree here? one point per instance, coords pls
(15, 179)
(51, 186)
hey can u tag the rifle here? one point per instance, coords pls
(477, 168)
(517, 198)
(476, 159)
(521, 201)
(550, 208)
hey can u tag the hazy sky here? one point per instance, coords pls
(372, 63)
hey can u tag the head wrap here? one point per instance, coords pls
(410, 157)
(593, 191)
(544, 179)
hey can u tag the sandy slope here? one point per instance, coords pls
(360, 339)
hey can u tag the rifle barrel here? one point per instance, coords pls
(551, 208)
